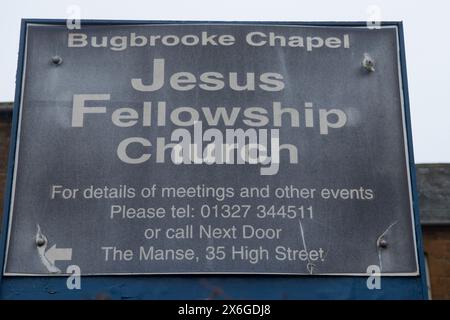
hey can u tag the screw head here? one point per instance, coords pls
(40, 241)
(383, 243)
(57, 60)
(368, 63)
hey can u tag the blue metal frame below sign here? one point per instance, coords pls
(210, 286)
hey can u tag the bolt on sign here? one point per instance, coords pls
(187, 148)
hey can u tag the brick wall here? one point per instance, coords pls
(437, 250)
(5, 128)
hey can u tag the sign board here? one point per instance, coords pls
(211, 148)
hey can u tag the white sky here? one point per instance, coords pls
(426, 34)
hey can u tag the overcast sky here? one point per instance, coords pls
(426, 32)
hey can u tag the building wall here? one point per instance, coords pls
(5, 129)
(436, 237)
(437, 250)
(434, 198)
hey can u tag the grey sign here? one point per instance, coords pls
(211, 148)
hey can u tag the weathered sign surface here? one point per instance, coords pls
(209, 148)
